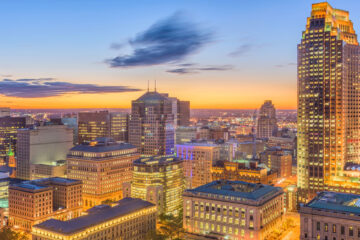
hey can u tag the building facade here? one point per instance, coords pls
(278, 160)
(44, 145)
(266, 121)
(183, 108)
(103, 166)
(328, 102)
(232, 210)
(198, 161)
(32, 202)
(128, 219)
(92, 125)
(152, 124)
(159, 180)
(331, 216)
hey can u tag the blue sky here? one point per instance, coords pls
(70, 41)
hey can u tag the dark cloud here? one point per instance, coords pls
(116, 46)
(166, 41)
(189, 70)
(47, 87)
(242, 50)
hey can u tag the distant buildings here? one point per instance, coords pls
(128, 219)
(266, 121)
(331, 216)
(278, 160)
(198, 161)
(102, 124)
(328, 102)
(103, 166)
(185, 134)
(41, 151)
(32, 202)
(232, 210)
(242, 171)
(152, 124)
(159, 180)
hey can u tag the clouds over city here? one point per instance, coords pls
(49, 87)
(194, 68)
(167, 41)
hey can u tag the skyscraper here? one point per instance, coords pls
(183, 109)
(328, 102)
(266, 122)
(151, 124)
(92, 125)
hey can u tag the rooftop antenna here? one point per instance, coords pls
(155, 85)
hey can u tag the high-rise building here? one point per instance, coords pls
(8, 133)
(32, 202)
(330, 215)
(119, 126)
(104, 166)
(232, 210)
(328, 102)
(159, 180)
(92, 125)
(128, 219)
(198, 161)
(266, 121)
(42, 148)
(151, 124)
(183, 109)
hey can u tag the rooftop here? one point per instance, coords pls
(102, 145)
(96, 215)
(160, 160)
(240, 189)
(338, 202)
(43, 183)
(152, 96)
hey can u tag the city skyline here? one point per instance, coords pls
(223, 63)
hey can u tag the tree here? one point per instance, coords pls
(8, 234)
(170, 225)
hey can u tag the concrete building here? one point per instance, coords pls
(266, 121)
(278, 160)
(328, 102)
(331, 216)
(159, 180)
(128, 219)
(152, 124)
(44, 145)
(32, 202)
(103, 166)
(232, 210)
(241, 171)
(198, 161)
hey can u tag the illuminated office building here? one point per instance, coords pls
(92, 125)
(278, 160)
(119, 126)
(42, 151)
(128, 219)
(198, 161)
(328, 102)
(152, 124)
(266, 121)
(32, 202)
(8, 133)
(232, 210)
(103, 166)
(159, 180)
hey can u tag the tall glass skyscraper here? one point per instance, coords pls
(328, 103)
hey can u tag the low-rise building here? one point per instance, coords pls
(32, 202)
(331, 216)
(128, 219)
(232, 210)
